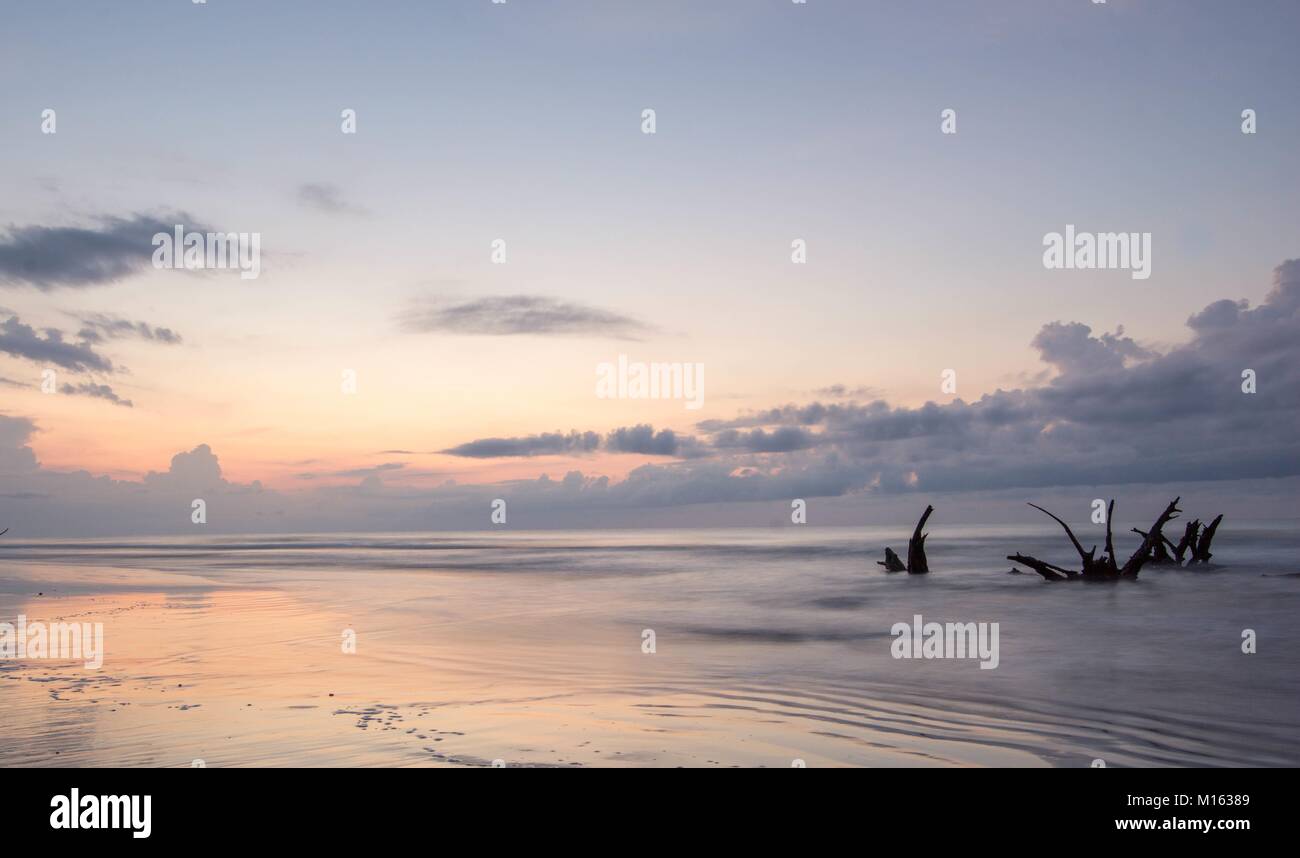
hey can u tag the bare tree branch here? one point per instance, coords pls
(917, 564)
(1207, 536)
(1140, 557)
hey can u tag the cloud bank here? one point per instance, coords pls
(1114, 412)
(53, 257)
(23, 341)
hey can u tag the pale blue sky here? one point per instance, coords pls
(522, 121)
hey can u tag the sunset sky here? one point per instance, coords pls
(523, 121)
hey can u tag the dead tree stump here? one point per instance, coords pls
(1207, 536)
(891, 562)
(917, 564)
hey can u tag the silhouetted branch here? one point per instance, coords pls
(1047, 570)
(917, 564)
(1111, 568)
(1188, 541)
(1207, 536)
(891, 562)
(1085, 557)
(1155, 548)
(1158, 546)
(1152, 538)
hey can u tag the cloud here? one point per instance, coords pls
(9, 382)
(324, 197)
(98, 327)
(1072, 348)
(784, 440)
(550, 443)
(197, 469)
(373, 471)
(643, 439)
(96, 391)
(15, 456)
(801, 415)
(508, 315)
(1114, 413)
(50, 257)
(843, 391)
(23, 341)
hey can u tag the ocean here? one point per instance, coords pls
(739, 647)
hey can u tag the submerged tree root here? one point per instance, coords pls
(1156, 549)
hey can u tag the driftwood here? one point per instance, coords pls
(1047, 570)
(1159, 551)
(1156, 548)
(1160, 547)
(917, 564)
(1197, 543)
(1202, 551)
(916, 561)
(1152, 538)
(1092, 567)
(891, 562)
(1188, 542)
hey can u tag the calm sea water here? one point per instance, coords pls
(785, 628)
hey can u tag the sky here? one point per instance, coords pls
(522, 122)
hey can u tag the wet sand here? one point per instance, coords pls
(255, 678)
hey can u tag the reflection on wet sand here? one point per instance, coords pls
(239, 678)
(528, 650)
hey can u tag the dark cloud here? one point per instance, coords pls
(800, 415)
(96, 391)
(324, 197)
(1114, 412)
(1072, 348)
(23, 341)
(505, 315)
(787, 439)
(643, 439)
(546, 444)
(50, 257)
(98, 327)
(9, 382)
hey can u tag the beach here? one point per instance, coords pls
(767, 648)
